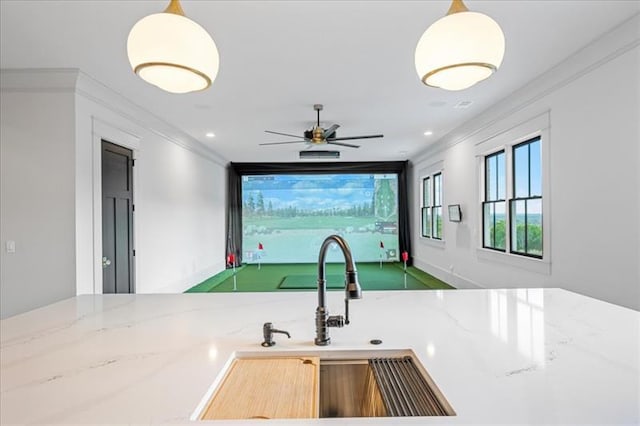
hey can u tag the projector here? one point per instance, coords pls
(304, 155)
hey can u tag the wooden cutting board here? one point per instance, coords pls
(267, 388)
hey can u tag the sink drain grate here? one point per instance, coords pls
(404, 390)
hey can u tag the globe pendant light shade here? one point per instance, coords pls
(173, 52)
(460, 49)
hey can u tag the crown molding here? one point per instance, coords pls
(49, 80)
(99, 93)
(75, 81)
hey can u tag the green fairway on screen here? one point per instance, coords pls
(285, 218)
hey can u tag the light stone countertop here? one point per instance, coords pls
(522, 356)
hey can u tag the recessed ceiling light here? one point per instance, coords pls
(210, 135)
(428, 133)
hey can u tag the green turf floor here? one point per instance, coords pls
(301, 277)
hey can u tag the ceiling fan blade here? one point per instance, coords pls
(281, 143)
(331, 130)
(343, 144)
(283, 134)
(348, 138)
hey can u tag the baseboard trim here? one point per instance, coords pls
(451, 278)
(182, 285)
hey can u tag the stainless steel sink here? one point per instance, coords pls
(347, 389)
(378, 387)
(358, 383)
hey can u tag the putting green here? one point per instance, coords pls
(301, 277)
(308, 281)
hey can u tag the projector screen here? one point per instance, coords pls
(285, 217)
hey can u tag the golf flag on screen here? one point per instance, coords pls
(231, 260)
(405, 256)
(260, 248)
(381, 251)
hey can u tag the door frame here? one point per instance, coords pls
(108, 147)
(102, 130)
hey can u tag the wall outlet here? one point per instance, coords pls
(10, 246)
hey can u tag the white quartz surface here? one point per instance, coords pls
(527, 356)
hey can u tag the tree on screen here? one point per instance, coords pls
(385, 199)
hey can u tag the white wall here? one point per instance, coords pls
(179, 194)
(182, 233)
(36, 197)
(52, 125)
(592, 101)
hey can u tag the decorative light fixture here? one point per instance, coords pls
(460, 49)
(173, 52)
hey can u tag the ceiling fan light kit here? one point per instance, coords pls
(321, 136)
(173, 52)
(460, 49)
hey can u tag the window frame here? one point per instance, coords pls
(515, 198)
(434, 207)
(486, 201)
(504, 134)
(427, 209)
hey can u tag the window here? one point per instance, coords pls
(524, 198)
(437, 206)
(525, 208)
(432, 206)
(426, 207)
(493, 208)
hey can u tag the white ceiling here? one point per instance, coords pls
(278, 58)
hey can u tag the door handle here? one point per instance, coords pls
(105, 262)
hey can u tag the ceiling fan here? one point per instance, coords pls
(320, 136)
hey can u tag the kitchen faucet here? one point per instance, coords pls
(352, 290)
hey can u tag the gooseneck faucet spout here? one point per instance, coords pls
(352, 290)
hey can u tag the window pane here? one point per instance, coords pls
(534, 227)
(494, 232)
(521, 170)
(499, 229)
(487, 224)
(526, 226)
(518, 216)
(437, 222)
(495, 177)
(426, 222)
(426, 192)
(490, 178)
(536, 174)
(502, 180)
(437, 189)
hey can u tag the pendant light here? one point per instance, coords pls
(460, 49)
(173, 52)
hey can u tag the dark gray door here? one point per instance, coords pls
(117, 219)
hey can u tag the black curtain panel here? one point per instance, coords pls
(404, 224)
(234, 215)
(237, 170)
